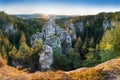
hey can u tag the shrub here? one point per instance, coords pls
(107, 55)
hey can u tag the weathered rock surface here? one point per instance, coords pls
(54, 42)
(79, 26)
(48, 29)
(107, 24)
(8, 27)
(36, 36)
(46, 57)
(72, 27)
(54, 36)
(66, 42)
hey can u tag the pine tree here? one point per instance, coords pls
(91, 43)
(23, 37)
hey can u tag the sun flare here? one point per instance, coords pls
(46, 15)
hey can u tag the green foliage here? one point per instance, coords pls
(107, 41)
(93, 45)
(24, 51)
(107, 55)
(61, 22)
(66, 62)
(92, 58)
(109, 44)
(61, 62)
(75, 59)
(37, 46)
(23, 38)
(116, 40)
(13, 52)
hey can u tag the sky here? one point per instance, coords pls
(59, 7)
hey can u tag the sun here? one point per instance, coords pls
(46, 15)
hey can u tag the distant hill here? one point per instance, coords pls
(37, 15)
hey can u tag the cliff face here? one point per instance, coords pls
(109, 70)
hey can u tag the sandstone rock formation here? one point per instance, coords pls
(46, 57)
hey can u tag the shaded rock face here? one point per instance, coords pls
(66, 42)
(73, 30)
(54, 42)
(8, 27)
(36, 36)
(46, 57)
(53, 37)
(58, 31)
(56, 37)
(50, 34)
(79, 26)
(107, 24)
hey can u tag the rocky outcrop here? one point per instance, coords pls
(72, 27)
(36, 36)
(107, 24)
(46, 57)
(54, 42)
(55, 37)
(8, 27)
(66, 42)
(48, 29)
(79, 26)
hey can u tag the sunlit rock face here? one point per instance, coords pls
(8, 27)
(58, 31)
(72, 27)
(66, 41)
(36, 36)
(49, 29)
(46, 57)
(107, 24)
(54, 42)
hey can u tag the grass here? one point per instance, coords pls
(108, 70)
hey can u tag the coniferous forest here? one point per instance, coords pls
(99, 41)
